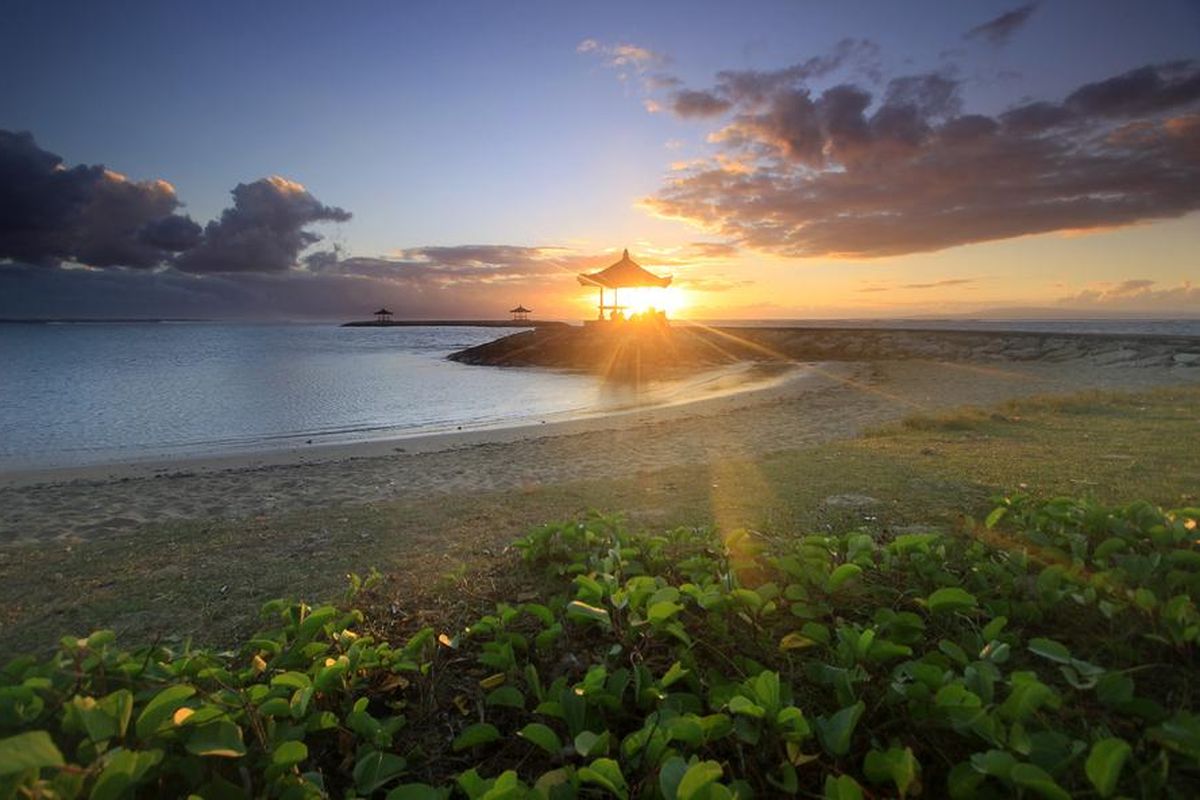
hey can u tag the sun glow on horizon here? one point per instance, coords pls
(642, 299)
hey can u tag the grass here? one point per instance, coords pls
(1049, 656)
(206, 579)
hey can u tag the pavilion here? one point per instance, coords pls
(520, 313)
(383, 316)
(625, 274)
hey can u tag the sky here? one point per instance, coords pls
(304, 160)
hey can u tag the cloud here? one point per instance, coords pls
(457, 266)
(631, 60)
(264, 231)
(96, 217)
(717, 283)
(999, 30)
(50, 213)
(930, 285)
(1147, 90)
(468, 281)
(1137, 295)
(843, 174)
(939, 284)
(690, 104)
(711, 250)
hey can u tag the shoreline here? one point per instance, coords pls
(827, 402)
(737, 379)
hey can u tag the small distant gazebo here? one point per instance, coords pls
(383, 316)
(520, 313)
(625, 274)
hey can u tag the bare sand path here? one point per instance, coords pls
(819, 403)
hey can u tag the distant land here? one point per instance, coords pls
(97, 321)
(454, 323)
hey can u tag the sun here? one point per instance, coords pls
(643, 299)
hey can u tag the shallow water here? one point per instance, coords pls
(79, 394)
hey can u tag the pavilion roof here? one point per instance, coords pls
(383, 311)
(520, 310)
(626, 273)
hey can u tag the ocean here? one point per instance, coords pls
(95, 393)
(78, 394)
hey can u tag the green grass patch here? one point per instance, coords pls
(1049, 652)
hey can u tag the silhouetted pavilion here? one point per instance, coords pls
(520, 313)
(625, 274)
(383, 315)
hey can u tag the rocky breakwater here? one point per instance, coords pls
(645, 349)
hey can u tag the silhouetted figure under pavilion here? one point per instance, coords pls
(520, 313)
(625, 274)
(383, 316)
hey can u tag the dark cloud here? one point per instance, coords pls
(91, 215)
(999, 30)
(689, 104)
(839, 174)
(1141, 91)
(751, 87)
(50, 213)
(264, 231)
(443, 267)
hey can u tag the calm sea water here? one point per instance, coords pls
(75, 394)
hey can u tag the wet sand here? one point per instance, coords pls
(815, 403)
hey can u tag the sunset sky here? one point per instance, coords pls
(780, 159)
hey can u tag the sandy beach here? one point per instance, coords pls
(808, 405)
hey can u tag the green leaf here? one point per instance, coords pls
(289, 753)
(842, 574)
(477, 734)
(674, 674)
(843, 787)
(606, 773)
(580, 610)
(376, 769)
(32, 750)
(1037, 780)
(795, 641)
(507, 696)
(835, 732)
(746, 706)
(896, 765)
(662, 611)
(950, 599)
(1048, 648)
(107, 717)
(292, 680)
(669, 776)
(588, 743)
(697, 777)
(220, 739)
(416, 791)
(1104, 764)
(542, 736)
(161, 708)
(997, 514)
(1027, 696)
(125, 768)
